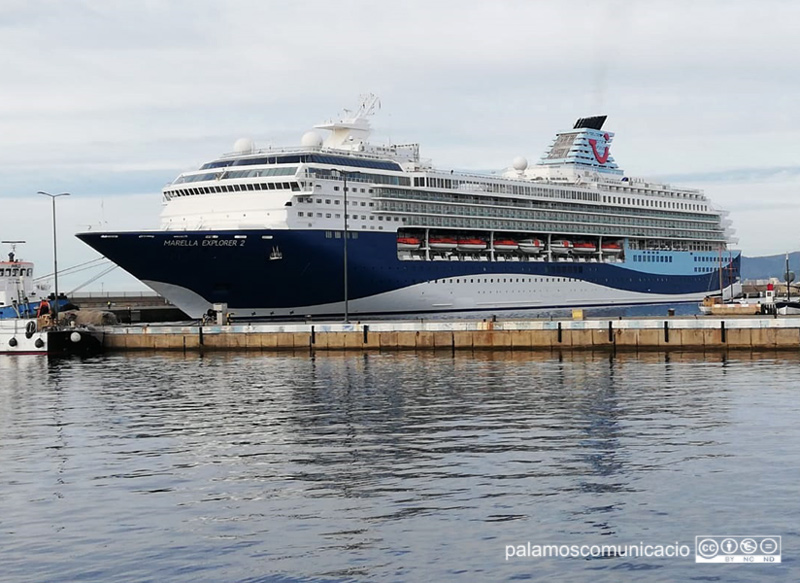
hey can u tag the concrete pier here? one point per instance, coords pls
(673, 333)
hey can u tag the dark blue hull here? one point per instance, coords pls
(283, 272)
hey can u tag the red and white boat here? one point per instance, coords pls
(611, 248)
(505, 245)
(584, 247)
(468, 244)
(560, 246)
(442, 243)
(531, 246)
(408, 243)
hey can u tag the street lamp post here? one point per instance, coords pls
(344, 176)
(53, 198)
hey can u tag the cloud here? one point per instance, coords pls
(118, 97)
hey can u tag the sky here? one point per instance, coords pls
(110, 100)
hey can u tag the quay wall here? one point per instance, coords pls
(627, 334)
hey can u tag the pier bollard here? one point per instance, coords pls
(559, 332)
(610, 332)
(313, 335)
(722, 330)
(366, 333)
(666, 331)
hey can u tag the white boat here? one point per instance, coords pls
(531, 246)
(787, 308)
(471, 245)
(22, 336)
(218, 220)
(584, 248)
(442, 243)
(505, 245)
(408, 243)
(560, 246)
(26, 326)
(611, 248)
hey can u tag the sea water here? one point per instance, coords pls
(394, 467)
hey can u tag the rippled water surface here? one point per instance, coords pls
(392, 467)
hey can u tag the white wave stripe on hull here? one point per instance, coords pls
(471, 293)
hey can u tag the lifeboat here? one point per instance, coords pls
(531, 246)
(505, 245)
(560, 246)
(471, 244)
(611, 248)
(444, 243)
(584, 247)
(408, 243)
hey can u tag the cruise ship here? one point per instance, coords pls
(341, 226)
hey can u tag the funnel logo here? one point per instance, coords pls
(738, 549)
(601, 158)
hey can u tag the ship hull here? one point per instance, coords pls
(297, 273)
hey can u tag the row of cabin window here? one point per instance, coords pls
(16, 272)
(504, 280)
(653, 258)
(335, 201)
(512, 225)
(350, 189)
(704, 269)
(235, 188)
(352, 217)
(456, 183)
(264, 173)
(552, 215)
(653, 203)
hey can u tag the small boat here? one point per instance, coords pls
(787, 308)
(505, 245)
(584, 247)
(408, 243)
(442, 243)
(531, 246)
(20, 297)
(26, 324)
(560, 246)
(41, 336)
(471, 244)
(611, 248)
(713, 305)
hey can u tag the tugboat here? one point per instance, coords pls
(28, 326)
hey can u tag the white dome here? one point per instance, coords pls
(311, 140)
(243, 146)
(520, 163)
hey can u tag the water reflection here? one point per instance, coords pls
(370, 466)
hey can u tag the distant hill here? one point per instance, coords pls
(770, 266)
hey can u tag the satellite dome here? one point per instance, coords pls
(311, 140)
(243, 146)
(520, 163)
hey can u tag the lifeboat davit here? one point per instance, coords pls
(408, 243)
(531, 246)
(505, 245)
(471, 245)
(443, 243)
